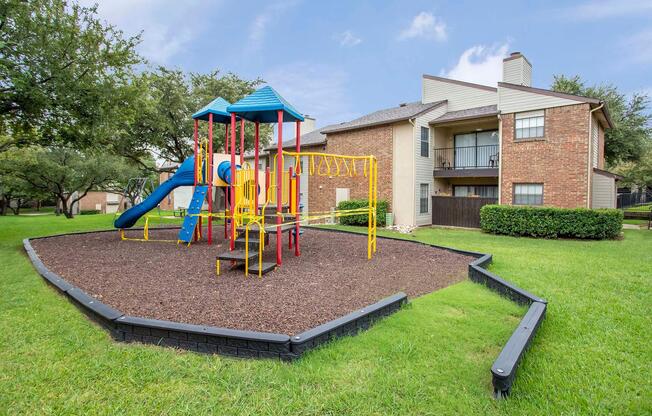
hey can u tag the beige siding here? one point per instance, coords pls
(512, 101)
(603, 194)
(424, 165)
(517, 71)
(459, 97)
(403, 174)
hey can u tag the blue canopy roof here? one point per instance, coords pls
(217, 107)
(262, 105)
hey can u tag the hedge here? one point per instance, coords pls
(89, 211)
(363, 219)
(595, 224)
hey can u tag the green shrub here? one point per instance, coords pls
(543, 222)
(363, 219)
(89, 211)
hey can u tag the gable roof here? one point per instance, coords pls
(388, 115)
(484, 111)
(313, 138)
(217, 107)
(262, 105)
(463, 83)
(594, 102)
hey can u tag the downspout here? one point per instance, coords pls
(590, 159)
(412, 121)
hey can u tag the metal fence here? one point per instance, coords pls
(469, 157)
(632, 199)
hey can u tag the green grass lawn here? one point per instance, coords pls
(592, 355)
(640, 208)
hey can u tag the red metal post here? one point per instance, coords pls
(290, 203)
(297, 227)
(226, 203)
(231, 188)
(210, 178)
(279, 187)
(256, 138)
(242, 132)
(196, 144)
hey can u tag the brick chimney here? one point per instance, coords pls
(517, 69)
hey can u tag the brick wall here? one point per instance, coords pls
(91, 199)
(167, 203)
(375, 141)
(559, 160)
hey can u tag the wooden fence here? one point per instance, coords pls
(458, 211)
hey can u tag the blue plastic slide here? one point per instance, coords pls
(184, 176)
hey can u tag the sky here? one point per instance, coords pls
(338, 60)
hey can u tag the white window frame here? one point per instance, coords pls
(530, 125)
(425, 142)
(529, 191)
(421, 198)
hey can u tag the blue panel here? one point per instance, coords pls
(184, 176)
(217, 107)
(263, 105)
(191, 219)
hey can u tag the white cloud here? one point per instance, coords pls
(347, 38)
(425, 25)
(260, 24)
(639, 46)
(479, 64)
(316, 89)
(602, 9)
(167, 25)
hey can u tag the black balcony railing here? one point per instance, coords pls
(470, 157)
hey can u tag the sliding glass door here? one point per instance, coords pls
(476, 150)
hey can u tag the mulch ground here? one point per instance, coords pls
(331, 278)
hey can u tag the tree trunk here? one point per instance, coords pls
(19, 202)
(65, 209)
(3, 206)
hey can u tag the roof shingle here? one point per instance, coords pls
(388, 115)
(487, 110)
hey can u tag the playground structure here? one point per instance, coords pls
(252, 197)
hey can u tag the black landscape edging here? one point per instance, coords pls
(503, 370)
(209, 339)
(349, 324)
(250, 344)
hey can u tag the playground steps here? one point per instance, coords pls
(253, 241)
(238, 255)
(267, 267)
(191, 219)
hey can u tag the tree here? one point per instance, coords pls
(61, 73)
(15, 190)
(639, 174)
(65, 173)
(161, 123)
(632, 131)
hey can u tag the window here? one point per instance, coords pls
(483, 191)
(424, 192)
(425, 142)
(528, 194)
(530, 125)
(476, 150)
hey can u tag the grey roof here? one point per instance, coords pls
(388, 115)
(312, 138)
(487, 110)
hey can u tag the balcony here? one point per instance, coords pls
(468, 161)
